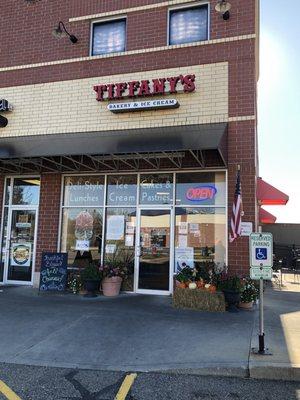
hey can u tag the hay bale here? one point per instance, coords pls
(198, 299)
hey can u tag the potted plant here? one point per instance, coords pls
(91, 278)
(112, 274)
(249, 294)
(231, 286)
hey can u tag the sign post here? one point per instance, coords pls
(261, 263)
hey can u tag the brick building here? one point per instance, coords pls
(128, 139)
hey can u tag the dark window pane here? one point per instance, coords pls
(120, 241)
(188, 25)
(26, 191)
(156, 189)
(200, 237)
(7, 191)
(21, 245)
(121, 190)
(109, 37)
(207, 188)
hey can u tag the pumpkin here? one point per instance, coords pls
(207, 286)
(200, 284)
(181, 285)
(212, 288)
(192, 285)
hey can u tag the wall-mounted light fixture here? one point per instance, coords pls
(223, 8)
(61, 31)
(5, 106)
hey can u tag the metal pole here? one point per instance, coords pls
(261, 337)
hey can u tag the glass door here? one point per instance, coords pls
(154, 252)
(20, 246)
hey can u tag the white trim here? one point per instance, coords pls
(194, 4)
(137, 258)
(172, 207)
(18, 207)
(105, 20)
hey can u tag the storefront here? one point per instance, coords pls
(151, 222)
(128, 148)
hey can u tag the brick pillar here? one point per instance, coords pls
(1, 206)
(48, 222)
(241, 150)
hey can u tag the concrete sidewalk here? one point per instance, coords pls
(145, 333)
(282, 334)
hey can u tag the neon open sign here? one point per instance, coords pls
(201, 193)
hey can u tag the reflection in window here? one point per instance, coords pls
(84, 191)
(156, 189)
(120, 241)
(26, 191)
(121, 190)
(109, 37)
(188, 25)
(82, 235)
(200, 236)
(206, 188)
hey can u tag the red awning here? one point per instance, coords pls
(269, 196)
(265, 217)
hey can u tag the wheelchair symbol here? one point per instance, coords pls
(261, 253)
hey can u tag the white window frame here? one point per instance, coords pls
(11, 207)
(105, 20)
(139, 206)
(188, 6)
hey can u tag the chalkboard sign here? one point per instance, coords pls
(53, 272)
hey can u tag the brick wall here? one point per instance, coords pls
(241, 150)
(27, 21)
(48, 222)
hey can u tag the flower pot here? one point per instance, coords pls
(111, 286)
(232, 298)
(91, 286)
(246, 306)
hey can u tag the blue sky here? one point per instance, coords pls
(279, 104)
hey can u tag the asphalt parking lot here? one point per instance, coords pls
(41, 383)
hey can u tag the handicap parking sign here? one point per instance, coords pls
(261, 249)
(261, 253)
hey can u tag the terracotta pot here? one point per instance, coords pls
(111, 286)
(246, 306)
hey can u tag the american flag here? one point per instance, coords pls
(236, 215)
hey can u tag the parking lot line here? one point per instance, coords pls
(8, 393)
(125, 387)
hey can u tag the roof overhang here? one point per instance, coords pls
(131, 143)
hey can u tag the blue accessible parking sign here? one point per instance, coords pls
(261, 253)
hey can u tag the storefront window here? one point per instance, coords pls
(84, 191)
(156, 189)
(203, 188)
(121, 190)
(82, 235)
(200, 237)
(120, 241)
(4, 243)
(26, 191)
